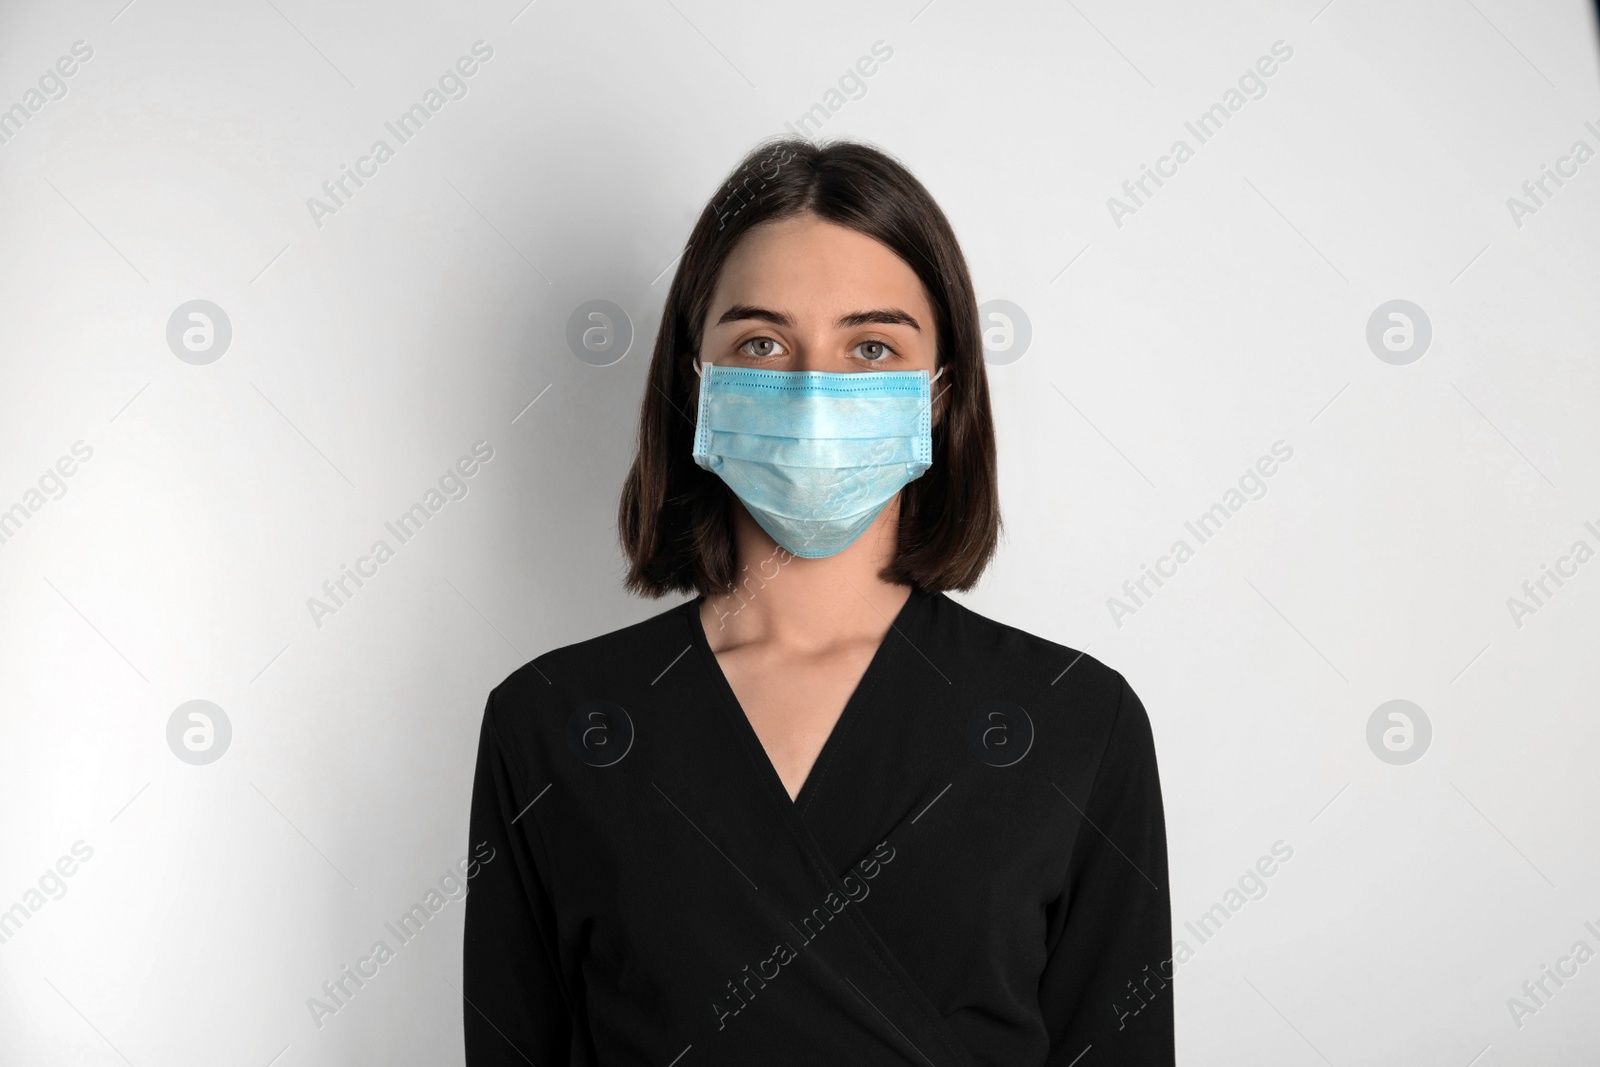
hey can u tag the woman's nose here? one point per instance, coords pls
(815, 353)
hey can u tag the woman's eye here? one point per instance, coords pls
(757, 342)
(874, 351)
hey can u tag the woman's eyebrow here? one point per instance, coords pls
(882, 316)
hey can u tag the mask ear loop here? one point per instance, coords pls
(932, 396)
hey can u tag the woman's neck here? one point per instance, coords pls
(806, 604)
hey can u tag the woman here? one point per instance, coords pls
(821, 813)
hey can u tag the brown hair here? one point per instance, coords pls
(675, 520)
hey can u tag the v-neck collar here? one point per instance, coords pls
(854, 707)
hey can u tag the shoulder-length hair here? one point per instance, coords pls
(675, 519)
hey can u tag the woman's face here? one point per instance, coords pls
(805, 294)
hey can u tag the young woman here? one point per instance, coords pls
(821, 813)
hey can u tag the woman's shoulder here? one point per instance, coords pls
(595, 666)
(1020, 652)
(1081, 704)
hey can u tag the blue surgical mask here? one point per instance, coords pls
(814, 455)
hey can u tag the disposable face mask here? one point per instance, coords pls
(814, 455)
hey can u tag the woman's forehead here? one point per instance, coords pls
(807, 266)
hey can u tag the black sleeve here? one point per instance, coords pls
(1107, 985)
(517, 1005)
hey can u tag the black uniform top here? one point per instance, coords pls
(974, 872)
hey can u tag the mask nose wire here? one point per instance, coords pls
(935, 377)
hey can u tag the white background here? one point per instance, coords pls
(1167, 355)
